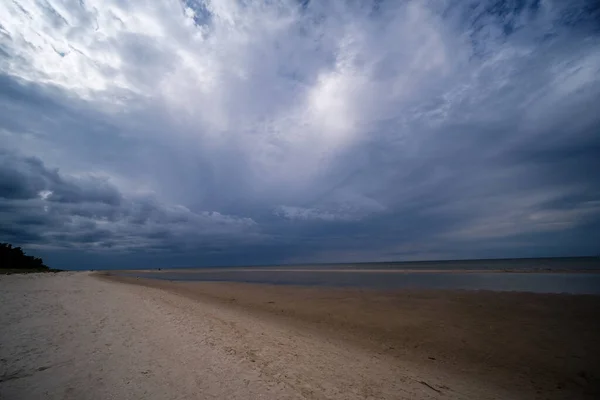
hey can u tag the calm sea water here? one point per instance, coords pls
(531, 275)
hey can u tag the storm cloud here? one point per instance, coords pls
(227, 132)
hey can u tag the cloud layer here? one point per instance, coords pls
(252, 131)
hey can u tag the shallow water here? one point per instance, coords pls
(538, 282)
(565, 264)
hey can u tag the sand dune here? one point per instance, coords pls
(77, 336)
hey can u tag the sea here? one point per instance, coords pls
(575, 275)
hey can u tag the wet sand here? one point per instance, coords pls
(85, 337)
(539, 344)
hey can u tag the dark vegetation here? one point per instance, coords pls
(14, 260)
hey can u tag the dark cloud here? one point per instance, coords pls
(39, 206)
(27, 178)
(202, 133)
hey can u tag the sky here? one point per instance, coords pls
(172, 133)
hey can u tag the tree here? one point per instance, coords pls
(15, 259)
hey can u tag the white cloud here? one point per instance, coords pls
(289, 88)
(301, 213)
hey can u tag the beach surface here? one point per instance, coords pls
(89, 336)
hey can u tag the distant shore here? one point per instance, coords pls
(366, 271)
(90, 336)
(511, 265)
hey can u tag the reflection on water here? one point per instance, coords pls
(519, 264)
(576, 283)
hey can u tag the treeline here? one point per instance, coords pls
(14, 259)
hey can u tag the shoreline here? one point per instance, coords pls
(91, 336)
(379, 271)
(570, 283)
(508, 338)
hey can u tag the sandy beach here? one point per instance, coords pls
(85, 336)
